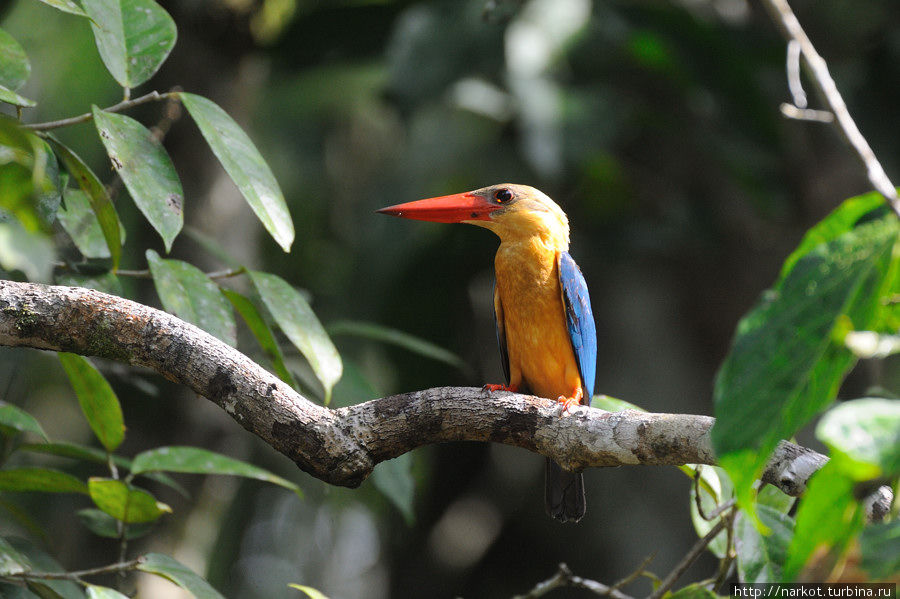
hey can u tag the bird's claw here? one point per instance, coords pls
(491, 387)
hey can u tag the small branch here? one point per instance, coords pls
(216, 274)
(153, 96)
(78, 574)
(806, 114)
(565, 578)
(786, 20)
(691, 556)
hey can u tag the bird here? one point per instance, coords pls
(545, 325)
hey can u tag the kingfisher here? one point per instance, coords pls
(545, 326)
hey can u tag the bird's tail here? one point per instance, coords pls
(563, 493)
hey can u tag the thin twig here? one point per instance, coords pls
(77, 575)
(806, 114)
(786, 20)
(216, 274)
(795, 84)
(565, 578)
(153, 96)
(641, 570)
(689, 558)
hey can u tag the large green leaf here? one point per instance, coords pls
(263, 333)
(10, 97)
(760, 557)
(14, 65)
(188, 293)
(97, 399)
(408, 342)
(96, 193)
(784, 365)
(828, 517)
(864, 436)
(125, 502)
(79, 220)
(12, 417)
(134, 37)
(42, 480)
(146, 170)
(245, 165)
(170, 569)
(395, 481)
(299, 323)
(194, 460)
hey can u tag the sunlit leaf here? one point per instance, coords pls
(125, 502)
(42, 480)
(310, 592)
(14, 65)
(408, 342)
(96, 193)
(95, 592)
(612, 404)
(263, 333)
(188, 293)
(194, 460)
(18, 419)
(784, 365)
(866, 433)
(299, 323)
(98, 401)
(145, 169)
(11, 97)
(174, 571)
(134, 37)
(245, 165)
(395, 481)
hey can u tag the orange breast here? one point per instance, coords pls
(538, 344)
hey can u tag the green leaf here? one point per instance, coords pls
(14, 65)
(106, 282)
(170, 569)
(760, 557)
(145, 169)
(193, 460)
(842, 220)
(103, 525)
(310, 592)
(68, 6)
(96, 193)
(97, 399)
(40, 561)
(15, 418)
(134, 37)
(30, 252)
(693, 591)
(395, 481)
(784, 365)
(879, 546)
(95, 592)
(74, 451)
(866, 434)
(408, 342)
(80, 222)
(11, 97)
(30, 178)
(11, 561)
(42, 480)
(245, 165)
(611, 404)
(828, 518)
(125, 502)
(263, 333)
(192, 296)
(301, 326)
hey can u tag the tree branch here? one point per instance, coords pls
(790, 27)
(125, 104)
(342, 446)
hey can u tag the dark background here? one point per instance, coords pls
(655, 125)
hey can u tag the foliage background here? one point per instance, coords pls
(654, 124)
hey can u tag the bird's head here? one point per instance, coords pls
(509, 210)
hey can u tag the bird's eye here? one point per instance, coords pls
(503, 195)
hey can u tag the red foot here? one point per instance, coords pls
(568, 402)
(495, 387)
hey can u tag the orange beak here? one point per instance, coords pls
(454, 208)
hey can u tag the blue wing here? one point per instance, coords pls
(580, 321)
